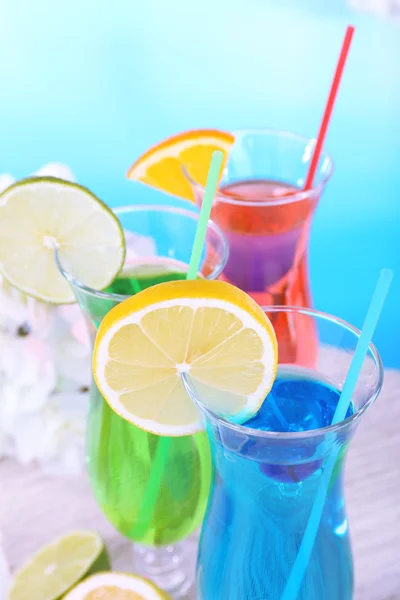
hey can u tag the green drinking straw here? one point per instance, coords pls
(209, 193)
(299, 568)
(161, 454)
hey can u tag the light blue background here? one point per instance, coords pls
(94, 83)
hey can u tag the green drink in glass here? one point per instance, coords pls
(120, 455)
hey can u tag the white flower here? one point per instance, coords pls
(17, 309)
(54, 435)
(43, 405)
(28, 378)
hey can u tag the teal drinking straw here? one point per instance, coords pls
(160, 458)
(299, 568)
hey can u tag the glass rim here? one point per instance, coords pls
(131, 208)
(311, 433)
(271, 200)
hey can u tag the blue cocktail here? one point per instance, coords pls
(268, 470)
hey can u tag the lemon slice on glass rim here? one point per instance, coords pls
(210, 330)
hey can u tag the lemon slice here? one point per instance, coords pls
(116, 586)
(210, 330)
(161, 166)
(40, 214)
(60, 565)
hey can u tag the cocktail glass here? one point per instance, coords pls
(266, 216)
(119, 455)
(268, 470)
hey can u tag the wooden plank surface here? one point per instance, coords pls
(35, 508)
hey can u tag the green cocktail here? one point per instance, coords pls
(140, 275)
(120, 455)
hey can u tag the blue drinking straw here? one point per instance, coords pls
(299, 568)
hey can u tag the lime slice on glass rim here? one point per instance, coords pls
(41, 214)
(59, 566)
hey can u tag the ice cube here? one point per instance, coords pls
(138, 246)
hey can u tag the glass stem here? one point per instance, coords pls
(171, 567)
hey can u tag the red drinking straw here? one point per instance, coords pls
(329, 107)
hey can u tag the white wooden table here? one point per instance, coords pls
(35, 508)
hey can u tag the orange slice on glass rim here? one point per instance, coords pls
(162, 166)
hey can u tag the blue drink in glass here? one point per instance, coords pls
(267, 472)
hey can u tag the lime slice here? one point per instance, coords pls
(41, 214)
(116, 586)
(56, 568)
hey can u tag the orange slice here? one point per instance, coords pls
(161, 166)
